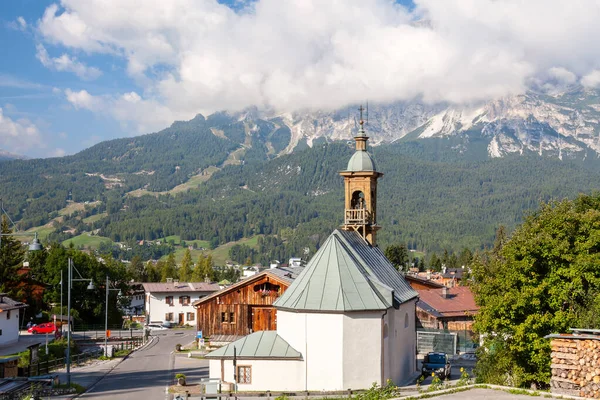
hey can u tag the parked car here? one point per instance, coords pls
(169, 324)
(47, 327)
(155, 327)
(438, 364)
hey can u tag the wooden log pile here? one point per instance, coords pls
(576, 367)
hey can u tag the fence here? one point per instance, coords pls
(99, 334)
(450, 342)
(44, 367)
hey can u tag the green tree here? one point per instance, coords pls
(11, 259)
(208, 270)
(168, 268)
(435, 263)
(197, 274)
(185, 271)
(136, 270)
(465, 257)
(543, 279)
(151, 272)
(398, 255)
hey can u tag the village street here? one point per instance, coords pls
(146, 373)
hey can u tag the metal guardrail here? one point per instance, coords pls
(99, 334)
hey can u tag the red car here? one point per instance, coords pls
(47, 327)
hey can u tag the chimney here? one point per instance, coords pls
(169, 280)
(445, 292)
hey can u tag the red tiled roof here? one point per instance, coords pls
(460, 301)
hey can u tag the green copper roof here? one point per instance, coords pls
(361, 161)
(258, 345)
(347, 274)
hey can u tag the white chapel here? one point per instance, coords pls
(346, 322)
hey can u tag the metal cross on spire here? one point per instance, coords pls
(361, 109)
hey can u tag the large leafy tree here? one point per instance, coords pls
(11, 259)
(544, 279)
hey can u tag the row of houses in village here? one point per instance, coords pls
(225, 313)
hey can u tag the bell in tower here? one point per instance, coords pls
(360, 187)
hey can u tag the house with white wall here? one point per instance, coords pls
(172, 301)
(346, 322)
(10, 316)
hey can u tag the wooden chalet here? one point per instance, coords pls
(244, 307)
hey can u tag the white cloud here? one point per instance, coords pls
(58, 152)
(18, 25)
(592, 79)
(193, 56)
(562, 75)
(66, 63)
(14, 82)
(18, 135)
(83, 100)
(22, 23)
(136, 114)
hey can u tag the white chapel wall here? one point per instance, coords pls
(318, 337)
(401, 344)
(362, 349)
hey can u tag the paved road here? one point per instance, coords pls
(147, 372)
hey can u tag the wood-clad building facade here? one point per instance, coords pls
(246, 306)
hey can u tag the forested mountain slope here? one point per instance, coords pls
(436, 193)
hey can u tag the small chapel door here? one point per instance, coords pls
(263, 319)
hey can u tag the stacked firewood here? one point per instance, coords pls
(576, 367)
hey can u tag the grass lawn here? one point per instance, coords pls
(177, 240)
(42, 231)
(219, 255)
(192, 183)
(94, 218)
(86, 240)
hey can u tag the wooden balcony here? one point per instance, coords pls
(358, 217)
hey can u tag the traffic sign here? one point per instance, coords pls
(199, 335)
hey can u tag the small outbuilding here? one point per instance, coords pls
(10, 315)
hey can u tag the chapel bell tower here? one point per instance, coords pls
(360, 187)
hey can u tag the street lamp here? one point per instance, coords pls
(34, 246)
(70, 282)
(106, 317)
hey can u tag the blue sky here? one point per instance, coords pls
(76, 72)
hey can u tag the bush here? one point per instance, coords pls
(377, 392)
